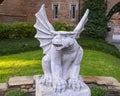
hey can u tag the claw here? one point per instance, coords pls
(46, 81)
(75, 84)
(59, 86)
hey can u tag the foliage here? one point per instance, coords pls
(100, 45)
(94, 63)
(16, 30)
(11, 46)
(96, 26)
(16, 92)
(98, 91)
(119, 93)
(62, 26)
(25, 30)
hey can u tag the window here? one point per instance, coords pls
(55, 11)
(73, 12)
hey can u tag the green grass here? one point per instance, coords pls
(98, 91)
(20, 64)
(16, 92)
(94, 63)
(100, 64)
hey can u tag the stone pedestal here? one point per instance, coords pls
(48, 91)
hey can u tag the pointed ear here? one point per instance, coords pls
(80, 27)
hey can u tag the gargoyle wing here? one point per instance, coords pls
(80, 27)
(45, 31)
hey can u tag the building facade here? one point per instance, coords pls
(24, 10)
(57, 10)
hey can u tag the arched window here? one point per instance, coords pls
(1, 1)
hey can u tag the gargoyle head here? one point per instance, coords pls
(63, 40)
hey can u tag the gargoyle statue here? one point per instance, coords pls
(61, 63)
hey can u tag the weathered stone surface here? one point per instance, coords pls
(3, 87)
(20, 80)
(35, 76)
(28, 86)
(49, 91)
(101, 80)
(114, 87)
(31, 90)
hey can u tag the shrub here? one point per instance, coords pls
(22, 30)
(25, 30)
(62, 26)
(16, 30)
(96, 26)
(97, 91)
(16, 92)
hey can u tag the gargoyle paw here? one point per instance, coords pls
(46, 80)
(75, 84)
(59, 86)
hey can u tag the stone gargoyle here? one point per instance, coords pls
(61, 63)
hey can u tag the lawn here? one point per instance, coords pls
(94, 63)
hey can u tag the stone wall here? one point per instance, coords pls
(27, 83)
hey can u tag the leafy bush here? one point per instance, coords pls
(16, 92)
(25, 30)
(62, 26)
(98, 91)
(16, 30)
(96, 26)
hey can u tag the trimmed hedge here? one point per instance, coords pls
(16, 30)
(99, 45)
(12, 46)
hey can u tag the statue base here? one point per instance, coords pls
(48, 91)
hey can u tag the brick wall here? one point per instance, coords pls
(12, 10)
(24, 10)
(115, 19)
(111, 3)
(64, 10)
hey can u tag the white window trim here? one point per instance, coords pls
(76, 8)
(53, 4)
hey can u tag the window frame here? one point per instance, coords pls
(73, 11)
(55, 8)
